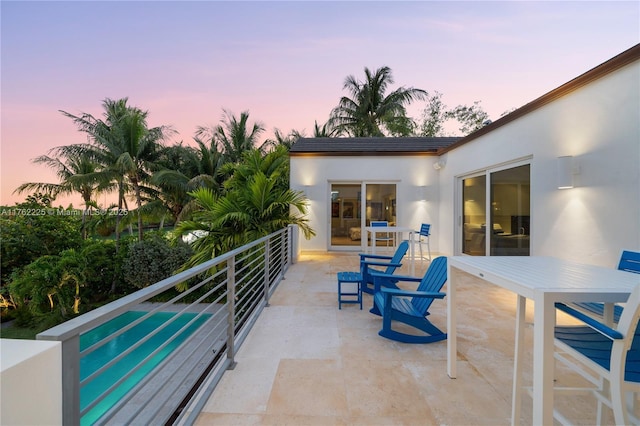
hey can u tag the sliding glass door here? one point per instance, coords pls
(496, 216)
(351, 212)
(474, 214)
(346, 213)
(510, 212)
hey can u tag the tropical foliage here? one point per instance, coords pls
(29, 231)
(228, 187)
(76, 173)
(234, 135)
(436, 117)
(153, 259)
(370, 111)
(124, 145)
(257, 201)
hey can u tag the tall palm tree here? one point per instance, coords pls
(183, 169)
(234, 136)
(77, 174)
(370, 111)
(125, 146)
(324, 131)
(285, 140)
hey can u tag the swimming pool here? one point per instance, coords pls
(101, 356)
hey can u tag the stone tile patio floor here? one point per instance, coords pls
(308, 363)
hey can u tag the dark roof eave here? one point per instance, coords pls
(433, 152)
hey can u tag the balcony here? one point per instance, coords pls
(292, 357)
(307, 362)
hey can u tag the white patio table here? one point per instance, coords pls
(398, 230)
(545, 280)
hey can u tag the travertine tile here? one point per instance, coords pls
(308, 387)
(308, 363)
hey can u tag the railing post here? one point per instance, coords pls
(292, 243)
(231, 307)
(71, 381)
(267, 270)
(285, 249)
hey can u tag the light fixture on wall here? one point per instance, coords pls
(565, 172)
(421, 193)
(439, 164)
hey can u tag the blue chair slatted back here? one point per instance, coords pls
(630, 261)
(425, 228)
(397, 257)
(629, 321)
(433, 281)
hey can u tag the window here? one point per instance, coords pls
(501, 226)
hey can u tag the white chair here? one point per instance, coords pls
(422, 237)
(608, 358)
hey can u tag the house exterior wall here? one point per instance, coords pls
(413, 176)
(598, 124)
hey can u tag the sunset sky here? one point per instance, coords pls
(284, 62)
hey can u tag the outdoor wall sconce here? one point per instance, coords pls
(439, 164)
(421, 193)
(566, 171)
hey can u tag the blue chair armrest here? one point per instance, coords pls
(396, 278)
(381, 264)
(591, 322)
(374, 256)
(413, 293)
(380, 277)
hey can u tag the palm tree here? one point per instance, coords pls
(183, 169)
(258, 202)
(285, 140)
(125, 146)
(370, 111)
(234, 136)
(324, 131)
(77, 174)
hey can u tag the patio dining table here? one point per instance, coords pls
(398, 230)
(545, 280)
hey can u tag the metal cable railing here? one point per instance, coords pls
(198, 332)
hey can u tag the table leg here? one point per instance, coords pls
(452, 351)
(373, 242)
(516, 401)
(543, 364)
(607, 314)
(412, 252)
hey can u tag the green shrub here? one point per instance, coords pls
(38, 286)
(153, 260)
(101, 267)
(26, 237)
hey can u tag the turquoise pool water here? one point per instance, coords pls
(98, 358)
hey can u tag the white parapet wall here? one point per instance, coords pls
(30, 382)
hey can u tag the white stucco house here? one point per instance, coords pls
(511, 176)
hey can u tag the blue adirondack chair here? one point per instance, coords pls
(611, 357)
(410, 307)
(369, 263)
(630, 262)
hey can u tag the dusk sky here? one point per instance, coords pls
(284, 62)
